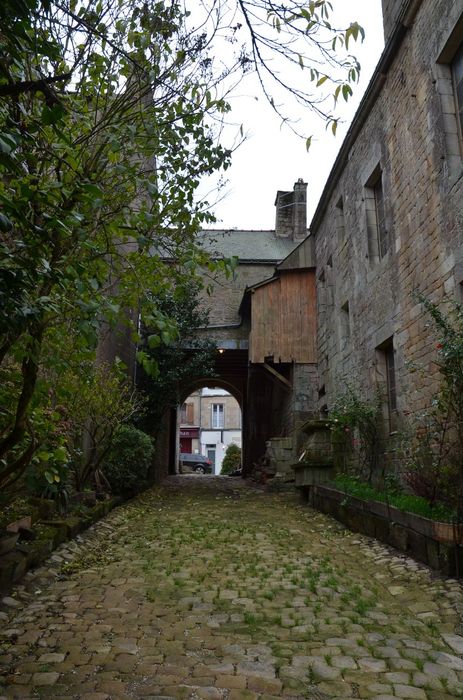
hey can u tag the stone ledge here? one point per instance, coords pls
(428, 541)
(28, 555)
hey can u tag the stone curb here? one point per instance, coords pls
(27, 556)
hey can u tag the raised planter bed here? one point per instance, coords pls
(437, 544)
(19, 558)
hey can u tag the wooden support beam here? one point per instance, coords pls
(277, 375)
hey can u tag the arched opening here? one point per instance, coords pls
(209, 420)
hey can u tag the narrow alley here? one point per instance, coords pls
(209, 588)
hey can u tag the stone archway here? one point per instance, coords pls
(196, 428)
(200, 382)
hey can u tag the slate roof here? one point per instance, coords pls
(258, 246)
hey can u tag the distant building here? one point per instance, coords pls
(309, 312)
(210, 420)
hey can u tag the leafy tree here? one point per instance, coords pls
(107, 118)
(298, 55)
(231, 460)
(166, 366)
(98, 172)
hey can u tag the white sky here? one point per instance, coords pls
(273, 158)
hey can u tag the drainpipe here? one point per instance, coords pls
(200, 421)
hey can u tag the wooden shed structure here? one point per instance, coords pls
(283, 318)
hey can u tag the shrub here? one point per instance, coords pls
(98, 406)
(356, 432)
(433, 450)
(232, 459)
(127, 462)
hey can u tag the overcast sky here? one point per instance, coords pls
(272, 158)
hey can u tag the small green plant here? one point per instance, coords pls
(356, 432)
(251, 620)
(127, 463)
(432, 628)
(362, 606)
(231, 460)
(332, 582)
(151, 595)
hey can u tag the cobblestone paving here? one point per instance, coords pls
(209, 589)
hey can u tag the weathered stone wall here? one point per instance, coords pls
(232, 412)
(363, 299)
(224, 301)
(391, 12)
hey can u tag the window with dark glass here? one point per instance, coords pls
(385, 365)
(390, 377)
(383, 238)
(378, 235)
(457, 74)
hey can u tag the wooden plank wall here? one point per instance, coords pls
(283, 319)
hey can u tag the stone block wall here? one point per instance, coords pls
(365, 299)
(392, 10)
(223, 303)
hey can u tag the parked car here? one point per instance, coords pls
(194, 463)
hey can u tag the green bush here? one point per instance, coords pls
(232, 459)
(127, 462)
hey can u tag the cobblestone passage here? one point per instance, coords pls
(207, 588)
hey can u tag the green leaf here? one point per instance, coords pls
(92, 190)
(154, 341)
(346, 91)
(7, 144)
(5, 223)
(52, 115)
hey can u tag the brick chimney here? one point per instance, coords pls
(291, 212)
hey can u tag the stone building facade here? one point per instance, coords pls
(209, 421)
(389, 225)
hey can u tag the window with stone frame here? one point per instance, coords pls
(449, 83)
(340, 220)
(378, 235)
(385, 364)
(457, 77)
(345, 327)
